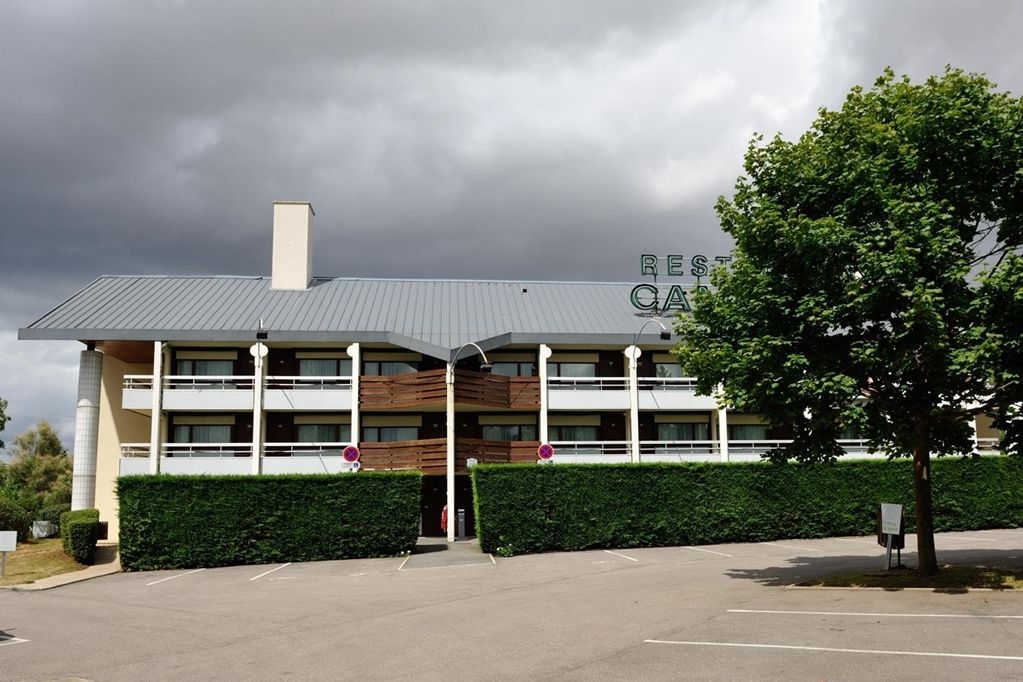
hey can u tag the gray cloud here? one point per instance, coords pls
(505, 140)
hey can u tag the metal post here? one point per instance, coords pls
(259, 352)
(723, 433)
(156, 409)
(3, 564)
(354, 354)
(544, 355)
(633, 352)
(450, 381)
(461, 524)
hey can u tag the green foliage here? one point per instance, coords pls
(82, 537)
(528, 508)
(193, 521)
(39, 474)
(53, 514)
(876, 256)
(70, 517)
(3, 418)
(13, 517)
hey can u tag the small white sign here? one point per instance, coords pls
(891, 519)
(8, 540)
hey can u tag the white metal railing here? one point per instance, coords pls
(588, 383)
(189, 449)
(682, 448)
(666, 383)
(989, 445)
(304, 449)
(308, 382)
(142, 382)
(591, 447)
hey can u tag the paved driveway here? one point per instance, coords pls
(710, 612)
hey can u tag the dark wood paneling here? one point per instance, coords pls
(612, 426)
(611, 363)
(428, 388)
(280, 427)
(647, 426)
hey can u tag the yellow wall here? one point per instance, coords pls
(116, 426)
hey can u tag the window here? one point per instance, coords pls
(509, 431)
(572, 369)
(323, 433)
(389, 434)
(747, 432)
(683, 431)
(387, 368)
(324, 367)
(668, 370)
(205, 368)
(572, 433)
(201, 433)
(514, 369)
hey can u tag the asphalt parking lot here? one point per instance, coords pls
(719, 612)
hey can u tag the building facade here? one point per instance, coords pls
(279, 374)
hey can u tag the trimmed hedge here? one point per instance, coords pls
(529, 508)
(69, 517)
(82, 537)
(197, 521)
(13, 517)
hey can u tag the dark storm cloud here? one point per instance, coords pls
(435, 139)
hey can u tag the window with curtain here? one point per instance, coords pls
(747, 432)
(676, 431)
(572, 369)
(323, 433)
(513, 369)
(668, 370)
(387, 368)
(324, 367)
(204, 368)
(389, 434)
(573, 432)
(508, 431)
(201, 433)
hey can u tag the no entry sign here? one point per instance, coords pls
(350, 453)
(545, 451)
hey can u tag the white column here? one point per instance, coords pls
(258, 351)
(633, 353)
(354, 354)
(976, 443)
(83, 479)
(449, 380)
(156, 409)
(543, 355)
(723, 433)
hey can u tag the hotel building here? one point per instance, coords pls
(279, 374)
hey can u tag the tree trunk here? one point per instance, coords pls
(924, 508)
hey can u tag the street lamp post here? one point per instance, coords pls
(450, 381)
(633, 352)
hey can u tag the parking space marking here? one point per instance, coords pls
(802, 549)
(257, 577)
(492, 559)
(4, 641)
(859, 542)
(404, 562)
(710, 551)
(875, 652)
(427, 568)
(179, 575)
(877, 615)
(969, 538)
(621, 555)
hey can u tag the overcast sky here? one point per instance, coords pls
(543, 140)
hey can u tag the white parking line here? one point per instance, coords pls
(876, 652)
(257, 577)
(179, 575)
(968, 538)
(878, 615)
(859, 542)
(12, 640)
(404, 562)
(802, 549)
(492, 559)
(621, 555)
(710, 551)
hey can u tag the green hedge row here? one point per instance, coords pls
(70, 517)
(82, 537)
(530, 508)
(13, 517)
(196, 521)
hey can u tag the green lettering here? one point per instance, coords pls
(675, 266)
(677, 300)
(699, 266)
(648, 264)
(644, 303)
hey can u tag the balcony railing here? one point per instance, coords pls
(189, 449)
(987, 445)
(591, 447)
(666, 383)
(322, 383)
(588, 383)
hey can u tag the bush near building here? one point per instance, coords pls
(197, 521)
(82, 537)
(13, 517)
(71, 517)
(528, 508)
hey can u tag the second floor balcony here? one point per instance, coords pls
(612, 393)
(232, 393)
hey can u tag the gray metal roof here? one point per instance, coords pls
(434, 317)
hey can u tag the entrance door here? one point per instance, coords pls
(434, 499)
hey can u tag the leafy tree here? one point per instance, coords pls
(876, 281)
(3, 418)
(39, 474)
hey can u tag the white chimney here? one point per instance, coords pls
(293, 248)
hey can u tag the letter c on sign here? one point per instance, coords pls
(643, 302)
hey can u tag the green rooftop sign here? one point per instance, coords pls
(666, 298)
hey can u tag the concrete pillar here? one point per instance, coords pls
(258, 351)
(449, 380)
(723, 434)
(156, 409)
(543, 355)
(633, 353)
(976, 443)
(90, 378)
(355, 355)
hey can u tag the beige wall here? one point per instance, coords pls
(116, 426)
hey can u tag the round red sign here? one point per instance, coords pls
(350, 453)
(545, 451)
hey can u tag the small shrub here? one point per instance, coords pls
(53, 514)
(13, 517)
(82, 536)
(69, 517)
